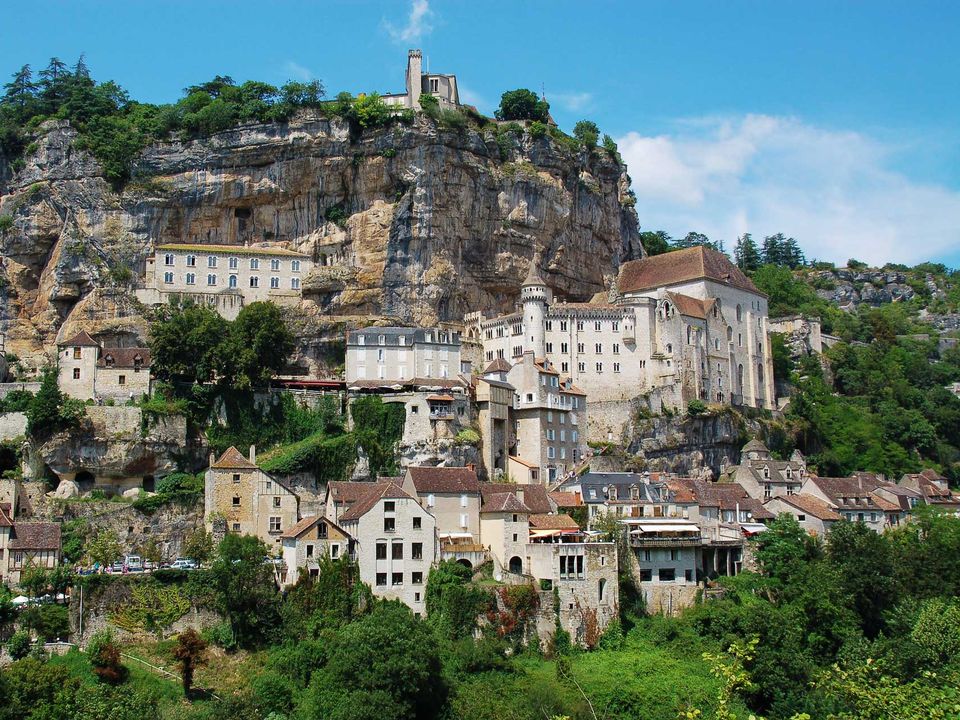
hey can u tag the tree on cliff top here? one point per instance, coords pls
(522, 104)
(51, 410)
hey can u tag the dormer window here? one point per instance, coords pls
(766, 473)
(789, 473)
(634, 493)
(612, 492)
(108, 360)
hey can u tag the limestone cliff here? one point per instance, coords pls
(426, 224)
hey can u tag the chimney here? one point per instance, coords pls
(519, 493)
(213, 458)
(253, 454)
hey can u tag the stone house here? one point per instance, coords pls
(341, 494)
(815, 515)
(762, 476)
(224, 277)
(549, 416)
(493, 400)
(388, 356)
(452, 496)
(683, 325)
(309, 541)
(442, 86)
(26, 544)
(624, 494)
(852, 498)
(664, 557)
(934, 489)
(903, 499)
(395, 543)
(86, 370)
(247, 500)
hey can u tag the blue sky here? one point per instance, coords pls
(834, 122)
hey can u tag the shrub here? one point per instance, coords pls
(190, 653)
(587, 132)
(6, 222)
(105, 658)
(453, 120)
(468, 436)
(537, 130)
(18, 646)
(50, 622)
(522, 104)
(430, 106)
(370, 111)
(220, 635)
(696, 407)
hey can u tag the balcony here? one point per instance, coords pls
(641, 541)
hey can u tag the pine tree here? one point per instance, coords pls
(80, 70)
(793, 254)
(21, 91)
(773, 249)
(746, 254)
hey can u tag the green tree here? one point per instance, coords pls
(198, 545)
(384, 666)
(329, 600)
(49, 622)
(21, 91)
(104, 654)
(370, 111)
(869, 585)
(522, 104)
(50, 410)
(656, 242)
(104, 548)
(587, 133)
(783, 549)
(430, 106)
(18, 646)
(746, 254)
(189, 344)
(244, 588)
(190, 653)
(260, 344)
(34, 580)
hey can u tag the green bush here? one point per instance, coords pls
(220, 635)
(696, 407)
(468, 436)
(430, 106)
(18, 646)
(49, 622)
(587, 133)
(537, 130)
(6, 222)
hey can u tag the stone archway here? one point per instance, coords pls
(516, 565)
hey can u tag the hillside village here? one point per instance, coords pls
(485, 442)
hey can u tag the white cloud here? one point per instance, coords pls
(572, 101)
(834, 191)
(296, 70)
(418, 23)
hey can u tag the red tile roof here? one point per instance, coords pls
(346, 491)
(534, 496)
(565, 499)
(307, 523)
(35, 536)
(380, 491)
(5, 519)
(810, 505)
(681, 266)
(498, 365)
(503, 502)
(456, 480)
(233, 459)
(81, 339)
(690, 306)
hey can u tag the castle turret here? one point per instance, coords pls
(414, 82)
(535, 298)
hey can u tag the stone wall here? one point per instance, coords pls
(13, 425)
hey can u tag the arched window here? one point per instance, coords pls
(516, 565)
(739, 313)
(729, 334)
(601, 587)
(669, 348)
(740, 378)
(233, 281)
(689, 335)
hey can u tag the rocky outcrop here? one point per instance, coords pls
(849, 288)
(113, 447)
(426, 224)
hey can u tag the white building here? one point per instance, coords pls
(686, 324)
(442, 86)
(387, 356)
(86, 370)
(225, 277)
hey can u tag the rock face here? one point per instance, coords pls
(424, 224)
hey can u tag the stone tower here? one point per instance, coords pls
(414, 78)
(535, 296)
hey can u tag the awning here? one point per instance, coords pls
(553, 532)
(20, 600)
(456, 535)
(753, 528)
(690, 528)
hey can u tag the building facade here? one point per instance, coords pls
(685, 325)
(442, 86)
(401, 356)
(25, 545)
(306, 544)
(247, 500)
(87, 371)
(224, 277)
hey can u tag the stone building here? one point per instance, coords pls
(852, 498)
(26, 544)
(309, 541)
(493, 400)
(815, 515)
(442, 86)
(452, 496)
(401, 356)
(86, 370)
(685, 325)
(762, 476)
(395, 543)
(224, 277)
(247, 500)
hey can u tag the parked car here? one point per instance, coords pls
(184, 564)
(134, 563)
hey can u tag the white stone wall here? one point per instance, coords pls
(404, 362)
(13, 425)
(121, 383)
(77, 376)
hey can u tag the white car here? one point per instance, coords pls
(184, 564)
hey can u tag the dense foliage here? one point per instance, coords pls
(522, 104)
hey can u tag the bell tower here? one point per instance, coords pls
(535, 298)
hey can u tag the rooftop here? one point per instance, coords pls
(231, 250)
(680, 266)
(455, 480)
(81, 339)
(233, 459)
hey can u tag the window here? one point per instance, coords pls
(739, 313)
(463, 521)
(616, 348)
(431, 500)
(581, 367)
(674, 554)
(236, 527)
(646, 575)
(276, 501)
(599, 368)
(274, 524)
(191, 278)
(396, 551)
(416, 578)
(236, 478)
(389, 525)
(168, 260)
(232, 282)
(416, 551)
(274, 264)
(168, 277)
(310, 551)
(381, 551)
(565, 367)
(77, 353)
(396, 579)
(389, 506)
(580, 348)
(688, 575)
(616, 367)
(254, 281)
(598, 348)
(322, 530)
(549, 347)
(463, 501)
(580, 325)
(616, 326)
(335, 551)
(381, 579)
(211, 279)
(434, 85)
(76, 373)
(122, 380)
(274, 283)
(295, 285)
(667, 574)
(254, 263)
(563, 326)
(236, 501)
(295, 266)
(801, 518)
(232, 262)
